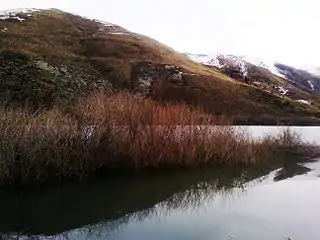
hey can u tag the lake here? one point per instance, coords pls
(307, 134)
(212, 203)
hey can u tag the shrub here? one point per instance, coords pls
(118, 131)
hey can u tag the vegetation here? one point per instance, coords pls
(237, 101)
(54, 58)
(120, 132)
(52, 126)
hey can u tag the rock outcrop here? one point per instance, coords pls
(145, 74)
(36, 82)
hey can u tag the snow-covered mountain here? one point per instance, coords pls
(255, 70)
(301, 77)
(220, 60)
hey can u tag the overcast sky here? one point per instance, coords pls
(280, 30)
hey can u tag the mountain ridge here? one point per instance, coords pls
(274, 67)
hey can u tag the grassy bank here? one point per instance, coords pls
(120, 132)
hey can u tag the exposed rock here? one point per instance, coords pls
(145, 74)
(36, 83)
(45, 66)
(177, 77)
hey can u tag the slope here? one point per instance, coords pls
(50, 57)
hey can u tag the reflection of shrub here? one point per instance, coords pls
(121, 132)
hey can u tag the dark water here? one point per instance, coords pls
(249, 204)
(197, 204)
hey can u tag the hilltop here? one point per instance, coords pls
(50, 57)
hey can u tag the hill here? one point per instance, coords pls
(50, 57)
(286, 80)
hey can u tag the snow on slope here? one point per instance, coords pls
(237, 61)
(211, 60)
(311, 85)
(111, 28)
(242, 62)
(17, 14)
(108, 27)
(303, 76)
(220, 61)
(204, 59)
(269, 65)
(22, 13)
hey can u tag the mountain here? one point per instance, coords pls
(221, 60)
(280, 78)
(303, 78)
(52, 58)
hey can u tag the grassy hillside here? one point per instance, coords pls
(53, 57)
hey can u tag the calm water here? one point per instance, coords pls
(208, 204)
(308, 134)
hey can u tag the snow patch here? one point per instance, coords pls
(239, 62)
(106, 24)
(220, 61)
(111, 28)
(304, 102)
(108, 27)
(17, 14)
(202, 58)
(4, 30)
(212, 60)
(311, 85)
(118, 33)
(282, 90)
(268, 65)
(257, 83)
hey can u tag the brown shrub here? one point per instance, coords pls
(119, 131)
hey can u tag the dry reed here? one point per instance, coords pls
(119, 131)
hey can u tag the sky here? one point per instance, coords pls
(281, 30)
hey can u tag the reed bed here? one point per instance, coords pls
(121, 132)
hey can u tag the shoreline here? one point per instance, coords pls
(57, 143)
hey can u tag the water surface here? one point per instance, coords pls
(307, 134)
(204, 204)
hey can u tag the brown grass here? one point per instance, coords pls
(119, 131)
(58, 37)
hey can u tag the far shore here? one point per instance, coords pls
(282, 121)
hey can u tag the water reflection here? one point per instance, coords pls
(291, 171)
(105, 205)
